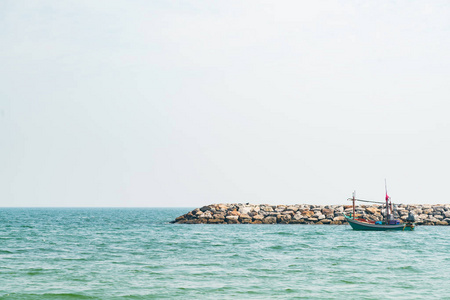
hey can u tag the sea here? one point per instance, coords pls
(136, 253)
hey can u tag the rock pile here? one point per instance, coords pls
(425, 214)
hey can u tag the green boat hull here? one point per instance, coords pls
(358, 225)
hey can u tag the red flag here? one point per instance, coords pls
(387, 197)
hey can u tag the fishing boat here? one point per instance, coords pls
(389, 223)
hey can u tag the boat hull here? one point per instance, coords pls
(358, 225)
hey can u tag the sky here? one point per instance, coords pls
(188, 103)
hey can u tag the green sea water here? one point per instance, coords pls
(95, 253)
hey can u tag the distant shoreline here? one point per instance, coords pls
(426, 214)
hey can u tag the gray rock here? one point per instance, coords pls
(269, 220)
(219, 216)
(285, 218)
(205, 208)
(297, 217)
(258, 217)
(327, 211)
(215, 221)
(245, 209)
(438, 208)
(292, 208)
(423, 216)
(339, 209)
(267, 208)
(245, 216)
(206, 215)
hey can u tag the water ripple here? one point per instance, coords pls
(136, 254)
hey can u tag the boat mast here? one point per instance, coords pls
(354, 192)
(387, 202)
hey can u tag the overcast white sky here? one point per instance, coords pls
(186, 103)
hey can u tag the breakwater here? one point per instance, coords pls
(425, 214)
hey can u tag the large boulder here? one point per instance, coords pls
(438, 208)
(205, 208)
(339, 209)
(206, 215)
(372, 210)
(269, 220)
(423, 216)
(293, 221)
(233, 213)
(267, 208)
(308, 213)
(327, 211)
(258, 217)
(232, 221)
(221, 207)
(215, 221)
(339, 219)
(219, 216)
(292, 208)
(285, 219)
(244, 218)
(297, 216)
(280, 208)
(245, 209)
